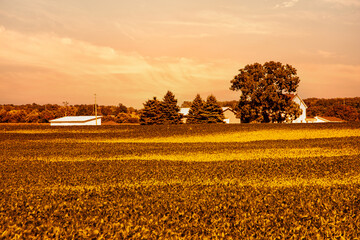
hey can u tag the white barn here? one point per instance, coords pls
(76, 121)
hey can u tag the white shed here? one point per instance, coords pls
(76, 121)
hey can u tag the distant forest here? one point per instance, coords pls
(35, 113)
(345, 108)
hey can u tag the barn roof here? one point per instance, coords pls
(294, 95)
(228, 109)
(75, 119)
(330, 119)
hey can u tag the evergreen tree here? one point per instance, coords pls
(170, 109)
(196, 112)
(151, 114)
(212, 111)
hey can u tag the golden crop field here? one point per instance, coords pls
(249, 181)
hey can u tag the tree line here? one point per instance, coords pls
(36, 113)
(168, 112)
(344, 108)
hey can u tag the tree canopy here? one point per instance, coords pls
(265, 92)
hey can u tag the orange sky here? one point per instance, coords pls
(129, 51)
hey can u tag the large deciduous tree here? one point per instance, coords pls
(170, 109)
(265, 92)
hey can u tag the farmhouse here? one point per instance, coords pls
(295, 98)
(76, 121)
(229, 114)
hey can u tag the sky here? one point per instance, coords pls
(130, 51)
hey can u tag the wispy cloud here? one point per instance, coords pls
(326, 54)
(66, 54)
(348, 3)
(195, 35)
(287, 4)
(223, 22)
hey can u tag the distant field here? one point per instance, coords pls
(187, 181)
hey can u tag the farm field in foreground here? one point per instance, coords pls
(286, 181)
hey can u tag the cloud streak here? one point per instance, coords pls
(347, 3)
(220, 22)
(287, 4)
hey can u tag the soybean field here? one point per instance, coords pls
(211, 181)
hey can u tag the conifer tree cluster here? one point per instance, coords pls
(161, 112)
(205, 112)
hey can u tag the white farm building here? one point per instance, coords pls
(76, 121)
(295, 98)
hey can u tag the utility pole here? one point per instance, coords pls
(66, 107)
(95, 111)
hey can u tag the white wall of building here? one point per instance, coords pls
(76, 121)
(88, 123)
(302, 117)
